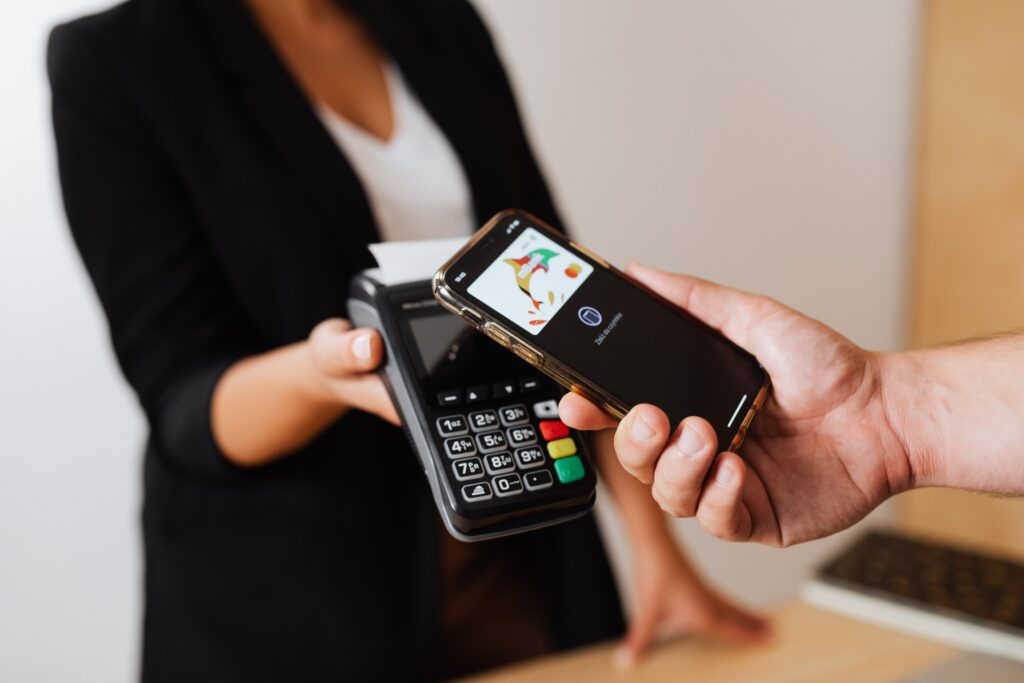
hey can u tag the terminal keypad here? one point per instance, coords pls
(510, 449)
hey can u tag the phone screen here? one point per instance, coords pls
(605, 328)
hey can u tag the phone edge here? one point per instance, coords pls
(451, 301)
(457, 305)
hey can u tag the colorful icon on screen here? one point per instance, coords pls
(526, 266)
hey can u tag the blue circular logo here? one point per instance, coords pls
(590, 316)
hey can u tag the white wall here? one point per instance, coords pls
(765, 145)
(70, 434)
(761, 144)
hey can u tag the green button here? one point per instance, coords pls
(569, 469)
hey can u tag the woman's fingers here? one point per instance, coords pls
(735, 625)
(637, 641)
(681, 468)
(368, 393)
(732, 625)
(640, 439)
(721, 510)
(339, 351)
(580, 413)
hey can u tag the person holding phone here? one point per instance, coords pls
(224, 165)
(844, 429)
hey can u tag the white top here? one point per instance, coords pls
(414, 181)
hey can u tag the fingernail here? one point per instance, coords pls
(689, 443)
(361, 347)
(640, 431)
(725, 474)
(623, 659)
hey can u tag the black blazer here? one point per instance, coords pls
(217, 218)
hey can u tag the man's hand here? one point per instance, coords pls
(821, 454)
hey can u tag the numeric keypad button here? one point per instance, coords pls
(459, 446)
(514, 415)
(474, 493)
(503, 389)
(449, 398)
(476, 394)
(546, 410)
(528, 385)
(468, 469)
(521, 436)
(529, 457)
(491, 442)
(499, 463)
(535, 481)
(553, 429)
(483, 420)
(507, 485)
(452, 425)
(562, 448)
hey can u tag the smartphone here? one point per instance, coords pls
(595, 330)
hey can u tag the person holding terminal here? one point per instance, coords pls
(224, 164)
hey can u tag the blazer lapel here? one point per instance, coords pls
(277, 104)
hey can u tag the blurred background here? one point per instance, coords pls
(860, 160)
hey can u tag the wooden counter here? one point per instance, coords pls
(809, 645)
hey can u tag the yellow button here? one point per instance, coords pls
(562, 448)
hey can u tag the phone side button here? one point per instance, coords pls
(529, 355)
(472, 316)
(496, 333)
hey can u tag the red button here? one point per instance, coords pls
(553, 429)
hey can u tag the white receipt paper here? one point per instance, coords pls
(412, 260)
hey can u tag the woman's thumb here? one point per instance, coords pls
(338, 350)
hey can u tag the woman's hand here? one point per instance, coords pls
(670, 599)
(344, 359)
(269, 405)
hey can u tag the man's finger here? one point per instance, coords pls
(681, 469)
(580, 413)
(721, 511)
(640, 439)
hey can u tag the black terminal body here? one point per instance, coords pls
(483, 422)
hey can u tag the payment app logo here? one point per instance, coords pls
(531, 280)
(589, 316)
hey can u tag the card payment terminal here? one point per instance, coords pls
(483, 423)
